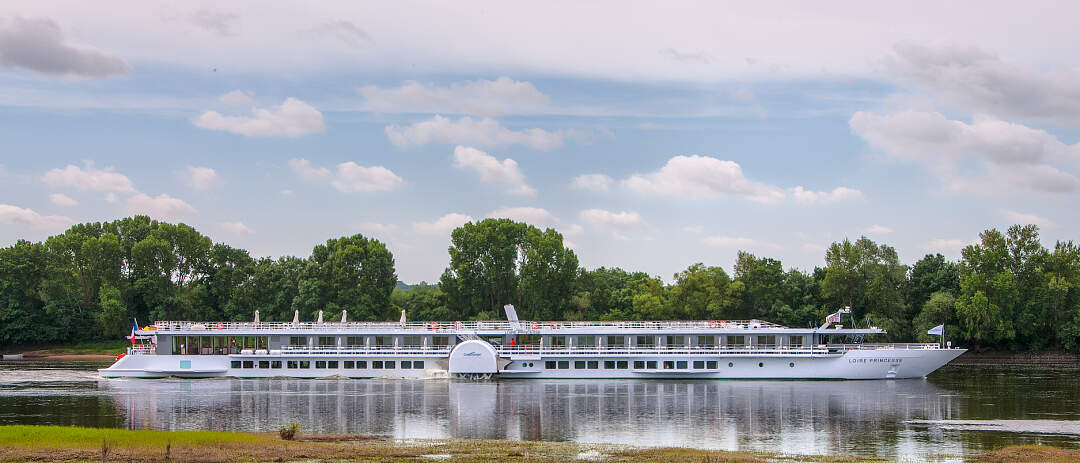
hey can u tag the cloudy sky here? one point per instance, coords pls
(651, 138)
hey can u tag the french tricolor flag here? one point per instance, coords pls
(134, 328)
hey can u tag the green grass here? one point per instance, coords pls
(66, 436)
(93, 347)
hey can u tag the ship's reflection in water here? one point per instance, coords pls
(828, 417)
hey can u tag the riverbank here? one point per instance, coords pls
(85, 351)
(60, 443)
(1017, 358)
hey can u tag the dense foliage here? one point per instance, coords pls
(1007, 291)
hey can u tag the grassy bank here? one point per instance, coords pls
(90, 348)
(58, 443)
(1018, 358)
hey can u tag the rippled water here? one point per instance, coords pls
(957, 411)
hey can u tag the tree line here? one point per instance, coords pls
(1005, 292)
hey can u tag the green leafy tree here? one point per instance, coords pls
(868, 278)
(351, 273)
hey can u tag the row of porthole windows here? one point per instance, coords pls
(328, 364)
(638, 364)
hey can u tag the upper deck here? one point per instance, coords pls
(500, 327)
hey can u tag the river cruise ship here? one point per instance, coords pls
(709, 349)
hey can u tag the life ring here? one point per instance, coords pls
(713, 324)
(723, 323)
(122, 355)
(554, 325)
(457, 325)
(534, 325)
(434, 325)
(220, 326)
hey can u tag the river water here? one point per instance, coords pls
(957, 411)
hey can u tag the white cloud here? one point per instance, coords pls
(694, 229)
(615, 220)
(572, 230)
(349, 177)
(1025, 219)
(374, 228)
(535, 216)
(161, 206)
(480, 97)
(61, 199)
(292, 118)
(469, 131)
(443, 225)
(345, 32)
(1007, 153)
(723, 241)
(811, 247)
(620, 237)
(88, 178)
(216, 22)
(702, 177)
(15, 215)
(286, 192)
(238, 98)
(200, 178)
(949, 247)
(877, 229)
(491, 170)
(595, 182)
(38, 44)
(803, 196)
(237, 228)
(982, 82)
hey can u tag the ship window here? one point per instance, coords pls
(795, 341)
(419, 364)
(681, 365)
(769, 340)
(711, 364)
(550, 365)
(440, 340)
(676, 341)
(564, 364)
(327, 341)
(249, 364)
(580, 364)
(621, 364)
(262, 342)
(609, 364)
(792, 364)
(178, 345)
(645, 341)
(706, 341)
(275, 364)
(669, 365)
(384, 341)
(207, 345)
(528, 340)
(264, 364)
(361, 364)
(297, 340)
(349, 364)
(493, 339)
(699, 364)
(249, 342)
(305, 364)
(406, 365)
(411, 341)
(557, 342)
(234, 344)
(234, 364)
(730, 364)
(616, 341)
(320, 364)
(331, 364)
(761, 364)
(291, 364)
(651, 364)
(586, 341)
(354, 341)
(389, 364)
(594, 364)
(377, 364)
(736, 340)
(219, 345)
(639, 364)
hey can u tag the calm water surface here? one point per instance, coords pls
(957, 411)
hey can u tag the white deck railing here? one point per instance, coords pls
(468, 326)
(141, 350)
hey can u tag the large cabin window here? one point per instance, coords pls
(769, 340)
(557, 342)
(706, 341)
(736, 341)
(207, 347)
(219, 345)
(354, 341)
(616, 341)
(795, 341)
(327, 341)
(527, 340)
(384, 341)
(411, 341)
(645, 341)
(675, 341)
(589, 341)
(440, 341)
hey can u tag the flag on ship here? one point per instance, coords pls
(937, 330)
(134, 328)
(833, 318)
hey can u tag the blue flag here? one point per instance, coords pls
(937, 330)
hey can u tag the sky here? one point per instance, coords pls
(652, 135)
